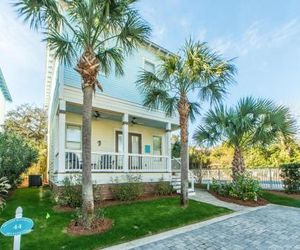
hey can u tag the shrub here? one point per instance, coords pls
(70, 193)
(244, 187)
(291, 177)
(47, 194)
(16, 156)
(4, 187)
(221, 188)
(129, 190)
(163, 188)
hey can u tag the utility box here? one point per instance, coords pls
(35, 180)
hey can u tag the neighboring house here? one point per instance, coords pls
(127, 138)
(4, 98)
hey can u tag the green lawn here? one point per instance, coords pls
(131, 221)
(281, 200)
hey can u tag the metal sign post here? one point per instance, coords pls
(16, 227)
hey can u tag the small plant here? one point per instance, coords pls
(244, 187)
(4, 187)
(291, 177)
(163, 188)
(129, 190)
(70, 193)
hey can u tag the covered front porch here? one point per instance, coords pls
(122, 143)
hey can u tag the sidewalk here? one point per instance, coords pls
(204, 196)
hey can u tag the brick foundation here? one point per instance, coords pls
(103, 191)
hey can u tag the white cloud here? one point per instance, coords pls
(256, 37)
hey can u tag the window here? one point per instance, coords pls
(149, 66)
(73, 137)
(157, 147)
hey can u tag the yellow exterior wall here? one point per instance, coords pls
(104, 130)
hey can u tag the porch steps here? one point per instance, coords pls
(176, 184)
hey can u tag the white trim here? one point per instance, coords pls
(74, 125)
(103, 101)
(61, 135)
(149, 61)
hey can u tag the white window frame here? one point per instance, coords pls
(151, 62)
(66, 139)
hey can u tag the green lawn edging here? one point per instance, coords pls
(281, 200)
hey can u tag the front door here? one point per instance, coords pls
(134, 148)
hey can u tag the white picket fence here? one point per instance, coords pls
(269, 178)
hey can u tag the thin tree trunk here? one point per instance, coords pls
(238, 163)
(87, 185)
(183, 113)
(88, 68)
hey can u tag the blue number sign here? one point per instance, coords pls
(16, 226)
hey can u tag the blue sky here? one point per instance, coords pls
(263, 35)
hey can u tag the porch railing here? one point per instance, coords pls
(113, 162)
(103, 161)
(147, 163)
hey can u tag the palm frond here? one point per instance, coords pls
(148, 81)
(109, 57)
(39, 13)
(62, 46)
(135, 31)
(251, 122)
(155, 98)
(194, 110)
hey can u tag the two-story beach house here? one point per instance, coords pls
(4, 98)
(127, 138)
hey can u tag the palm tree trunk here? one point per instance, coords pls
(88, 67)
(238, 163)
(87, 185)
(183, 114)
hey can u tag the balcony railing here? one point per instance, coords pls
(113, 162)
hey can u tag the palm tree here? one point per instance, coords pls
(94, 35)
(195, 70)
(252, 122)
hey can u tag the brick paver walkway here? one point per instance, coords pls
(271, 227)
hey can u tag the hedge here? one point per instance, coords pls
(291, 177)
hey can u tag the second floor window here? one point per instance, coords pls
(149, 66)
(73, 137)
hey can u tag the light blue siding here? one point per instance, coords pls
(122, 87)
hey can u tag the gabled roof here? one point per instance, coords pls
(3, 88)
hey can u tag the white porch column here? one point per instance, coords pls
(125, 142)
(61, 135)
(169, 147)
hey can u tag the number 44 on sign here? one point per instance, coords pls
(16, 227)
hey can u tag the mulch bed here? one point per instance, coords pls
(259, 202)
(282, 193)
(146, 197)
(108, 203)
(98, 226)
